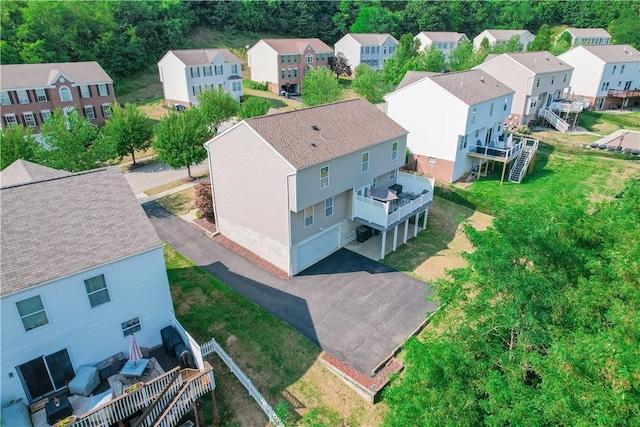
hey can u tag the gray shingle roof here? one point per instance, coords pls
(371, 39)
(204, 56)
(22, 171)
(343, 127)
(505, 34)
(588, 32)
(539, 62)
(297, 45)
(413, 76)
(472, 86)
(613, 52)
(29, 76)
(442, 36)
(53, 228)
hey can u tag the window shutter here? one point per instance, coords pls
(30, 96)
(89, 89)
(12, 97)
(107, 86)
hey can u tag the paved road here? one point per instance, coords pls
(356, 309)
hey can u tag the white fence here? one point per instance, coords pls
(213, 347)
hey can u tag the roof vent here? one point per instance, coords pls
(546, 56)
(314, 127)
(313, 144)
(482, 78)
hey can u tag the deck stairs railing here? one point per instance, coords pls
(523, 161)
(554, 120)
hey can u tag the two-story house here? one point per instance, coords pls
(446, 41)
(309, 178)
(186, 73)
(586, 36)
(29, 93)
(82, 269)
(461, 128)
(497, 37)
(608, 76)
(370, 49)
(540, 81)
(283, 63)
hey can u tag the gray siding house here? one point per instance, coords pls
(293, 187)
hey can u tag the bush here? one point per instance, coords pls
(258, 85)
(204, 201)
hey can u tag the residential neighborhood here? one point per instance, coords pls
(210, 218)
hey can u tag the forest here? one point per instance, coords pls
(125, 37)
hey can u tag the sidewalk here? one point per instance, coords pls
(143, 198)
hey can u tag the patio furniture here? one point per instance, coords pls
(16, 414)
(85, 381)
(110, 366)
(58, 412)
(135, 370)
(170, 338)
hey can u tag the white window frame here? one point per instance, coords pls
(102, 89)
(23, 97)
(218, 70)
(491, 110)
(615, 67)
(393, 174)
(236, 86)
(195, 73)
(65, 94)
(131, 326)
(308, 59)
(207, 71)
(328, 207)
(234, 69)
(41, 95)
(364, 162)
(473, 115)
(324, 180)
(29, 119)
(5, 99)
(106, 110)
(553, 78)
(45, 115)
(283, 73)
(39, 311)
(308, 216)
(98, 291)
(506, 102)
(394, 150)
(622, 68)
(11, 123)
(85, 92)
(295, 72)
(538, 82)
(87, 109)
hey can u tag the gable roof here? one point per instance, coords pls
(343, 127)
(471, 86)
(297, 45)
(442, 36)
(413, 76)
(29, 76)
(537, 62)
(588, 32)
(505, 34)
(613, 52)
(22, 171)
(371, 39)
(57, 227)
(203, 56)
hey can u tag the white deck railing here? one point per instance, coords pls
(506, 151)
(555, 120)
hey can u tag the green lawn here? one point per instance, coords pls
(275, 103)
(605, 123)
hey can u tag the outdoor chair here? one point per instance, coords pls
(85, 381)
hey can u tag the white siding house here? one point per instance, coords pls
(186, 73)
(608, 76)
(503, 36)
(370, 49)
(448, 116)
(80, 273)
(587, 36)
(443, 40)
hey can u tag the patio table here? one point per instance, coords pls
(134, 370)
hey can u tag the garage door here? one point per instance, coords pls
(317, 248)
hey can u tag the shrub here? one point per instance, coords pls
(258, 85)
(203, 201)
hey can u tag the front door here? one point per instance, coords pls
(46, 374)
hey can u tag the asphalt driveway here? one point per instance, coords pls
(356, 309)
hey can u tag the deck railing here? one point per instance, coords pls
(620, 93)
(507, 152)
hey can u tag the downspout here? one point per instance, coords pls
(213, 193)
(289, 220)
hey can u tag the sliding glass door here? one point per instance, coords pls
(46, 374)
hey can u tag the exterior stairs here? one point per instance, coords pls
(555, 120)
(522, 163)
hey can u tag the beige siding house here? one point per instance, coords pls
(587, 36)
(370, 49)
(497, 37)
(293, 187)
(444, 40)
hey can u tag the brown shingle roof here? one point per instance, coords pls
(297, 45)
(413, 76)
(371, 39)
(472, 86)
(613, 52)
(343, 127)
(51, 229)
(29, 76)
(22, 171)
(203, 56)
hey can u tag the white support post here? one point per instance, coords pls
(406, 230)
(384, 244)
(415, 225)
(395, 238)
(424, 221)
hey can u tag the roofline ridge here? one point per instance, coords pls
(71, 174)
(249, 120)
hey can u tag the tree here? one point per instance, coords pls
(369, 84)
(68, 139)
(373, 19)
(17, 143)
(542, 41)
(626, 29)
(340, 65)
(180, 138)
(127, 130)
(395, 67)
(204, 200)
(545, 329)
(320, 86)
(431, 59)
(462, 57)
(217, 106)
(254, 106)
(512, 45)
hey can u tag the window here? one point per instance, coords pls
(308, 59)
(392, 175)
(236, 86)
(364, 165)
(384, 50)
(65, 94)
(44, 115)
(553, 78)
(361, 50)
(219, 86)
(295, 72)
(432, 160)
(106, 110)
(23, 98)
(622, 69)
(328, 207)
(29, 120)
(289, 59)
(41, 95)
(308, 216)
(89, 112)
(32, 313)
(4, 98)
(102, 89)
(464, 144)
(97, 290)
(564, 80)
(491, 110)
(477, 132)
(538, 82)
(366, 50)
(289, 72)
(460, 141)
(614, 69)
(207, 71)
(506, 101)
(324, 177)
(374, 183)
(473, 116)
(282, 59)
(217, 69)
(283, 73)
(131, 326)
(84, 91)
(605, 86)
(295, 58)
(234, 68)
(195, 71)
(11, 120)
(394, 150)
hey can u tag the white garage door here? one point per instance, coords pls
(317, 248)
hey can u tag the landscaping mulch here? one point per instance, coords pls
(250, 256)
(374, 384)
(206, 225)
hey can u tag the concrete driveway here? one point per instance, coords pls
(356, 309)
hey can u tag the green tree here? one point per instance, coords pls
(68, 139)
(431, 59)
(369, 84)
(217, 106)
(127, 130)
(254, 106)
(17, 143)
(374, 19)
(320, 86)
(396, 66)
(180, 138)
(512, 45)
(626, 29)
(542, 41)
(462, 57)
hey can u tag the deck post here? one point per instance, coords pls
(415, 225)
(504, 166)
(424, 221)
(195, 412)
(406, 229)
(395, 237)
(384, 244)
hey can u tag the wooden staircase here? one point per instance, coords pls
(519, 170)
(554, 120)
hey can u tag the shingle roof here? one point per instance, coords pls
(588, 32)
(371, 39)
(29, 76)
(343, 127)
(297, 45)
(57, 227)
(442, 36)
(203, 56)
(472, 86)
(539, 62)
(613, 52)
(413, 76)
(22, 171)
(505, 34)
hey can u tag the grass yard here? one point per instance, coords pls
(180, 203)
(170, 185)
(276, 357)
(606, 123)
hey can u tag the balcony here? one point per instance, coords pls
(631, 93)
(501, 150)
(416, 195)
